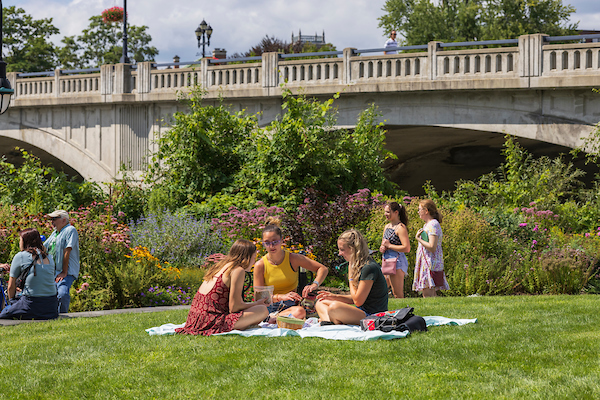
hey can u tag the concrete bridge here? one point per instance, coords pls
(529, 87)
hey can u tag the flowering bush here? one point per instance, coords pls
(241, 224)
(113, 14)
(176, 238)
(321, 219)
(169, 296)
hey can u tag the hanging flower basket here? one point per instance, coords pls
(113, 14)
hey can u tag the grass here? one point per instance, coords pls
(533, 347)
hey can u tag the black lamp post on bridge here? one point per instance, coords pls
(203, 33)
(124, 58)
(5, 90)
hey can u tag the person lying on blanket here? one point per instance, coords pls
(280, 268)
(218, 305)
(368, 288)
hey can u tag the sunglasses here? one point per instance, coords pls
(269, 244)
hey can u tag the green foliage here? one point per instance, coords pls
(100, 43)
(422, 21)
(127, 197)
(200, 154)
(211, 151)
(40, 188)
(302, 150)
(26, 41)
(521, 180)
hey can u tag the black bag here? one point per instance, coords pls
(25, 272)
(414, 323)
(387, 321)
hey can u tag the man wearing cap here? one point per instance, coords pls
(63, 244)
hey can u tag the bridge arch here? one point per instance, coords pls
(51, 142)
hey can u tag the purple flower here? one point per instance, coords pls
(523, 224)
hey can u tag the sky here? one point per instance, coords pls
(240, 24)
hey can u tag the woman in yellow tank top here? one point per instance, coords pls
(279, 268)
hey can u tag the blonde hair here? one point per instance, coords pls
(432, 209)
(273, 224)
(239, 255)
(359, 253)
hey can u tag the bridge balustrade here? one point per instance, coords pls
(560, 59)
(488, 63)
(403, 66)
(313, 71)
(533, 57)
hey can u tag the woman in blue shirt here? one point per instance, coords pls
(38, 299)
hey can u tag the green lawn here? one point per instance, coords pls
(540, 347)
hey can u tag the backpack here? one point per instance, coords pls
(396, 320)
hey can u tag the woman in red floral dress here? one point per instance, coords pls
(218, 305)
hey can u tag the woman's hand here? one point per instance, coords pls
(382, 249)
(418, 235)
(325, 295)
(260, 302)
(309, 288)
(288, 296)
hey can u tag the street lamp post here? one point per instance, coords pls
(5, 90)
(124, 58)
(203, 33)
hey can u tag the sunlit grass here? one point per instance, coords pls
(522, 347)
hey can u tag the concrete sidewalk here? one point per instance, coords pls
(87, 314)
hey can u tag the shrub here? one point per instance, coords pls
(321, 219)
(41, 189)
(241, 224)
(176, 238)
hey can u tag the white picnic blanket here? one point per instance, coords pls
(335, 332)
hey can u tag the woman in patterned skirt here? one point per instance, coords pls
(218, 305)
(429, 266)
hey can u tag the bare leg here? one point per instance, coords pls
(295, 311)
(251, 316)
(322, 308)
(429, 292)
(397, 283)
(342, 313)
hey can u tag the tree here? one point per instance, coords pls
(101, 43)
(211, 150)
(303, 149)
(26, 41)
(202, 152)
(273, 44)
(421, 21)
